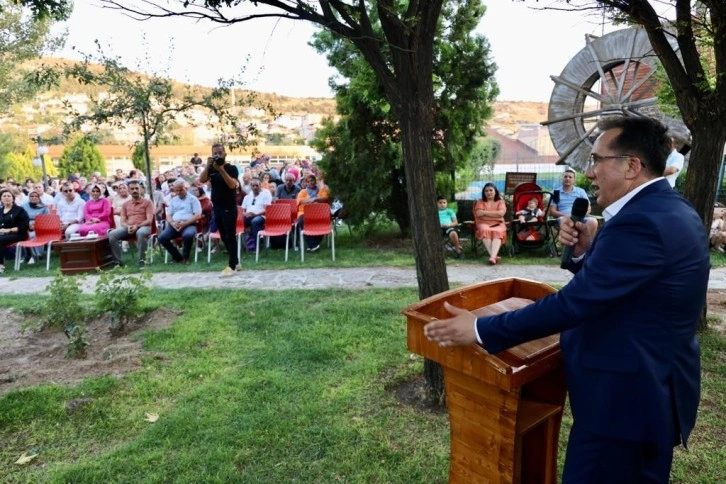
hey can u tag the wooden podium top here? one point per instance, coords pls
(508, 369)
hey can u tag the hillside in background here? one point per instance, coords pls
(508, 115)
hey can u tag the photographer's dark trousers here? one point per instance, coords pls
(226, 220)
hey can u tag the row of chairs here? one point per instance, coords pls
(280, 220)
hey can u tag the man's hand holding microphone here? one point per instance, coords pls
(574, 234)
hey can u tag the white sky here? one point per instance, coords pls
(527, 45)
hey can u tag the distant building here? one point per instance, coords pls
(166, 157)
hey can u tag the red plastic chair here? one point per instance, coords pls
(18, 250)
(238, 231)
(152, 235)
(47, 231)
(293, 216)
(179, 241)
(277, 222)
(316, 221)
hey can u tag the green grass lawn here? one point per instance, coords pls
(260, 386)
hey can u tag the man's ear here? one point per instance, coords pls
(635, 168)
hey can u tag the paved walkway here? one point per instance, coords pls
(348, 278)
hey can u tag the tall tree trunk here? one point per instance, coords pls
(419, 169)
(701, 185)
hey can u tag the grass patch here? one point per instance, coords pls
(260, 386)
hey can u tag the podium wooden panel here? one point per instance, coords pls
(84, 255)
(505, 410)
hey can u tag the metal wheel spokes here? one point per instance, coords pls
(611, 76)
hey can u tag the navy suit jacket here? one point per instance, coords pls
(628, 321)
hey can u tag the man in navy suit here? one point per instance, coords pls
(627, 319)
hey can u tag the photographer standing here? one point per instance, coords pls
(223, 178)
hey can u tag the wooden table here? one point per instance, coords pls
(84, 255)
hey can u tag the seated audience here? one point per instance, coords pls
(121, 196)
(96, 214)
(13, 223)
(34, 206)
(489, 213)
(137, 216)
(565, 197)
(310, 194)
(449, 224)
(69, 208)
(255, 203)
(182, 215)
(287, 190)
(717, 235)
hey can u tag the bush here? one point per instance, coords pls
(121, 296)
(63, 309)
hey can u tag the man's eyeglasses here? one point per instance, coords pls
(66, 191)
(595, 159)
(255, 186)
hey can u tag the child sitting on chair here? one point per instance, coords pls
(529, 214)
(447, 219)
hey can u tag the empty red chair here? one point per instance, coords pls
(277, 222)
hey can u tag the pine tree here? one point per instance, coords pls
(81, 156)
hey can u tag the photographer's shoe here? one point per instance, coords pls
(227, 272)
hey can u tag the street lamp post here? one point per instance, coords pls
(42, 150)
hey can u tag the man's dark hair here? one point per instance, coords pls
(645, 138)
(440, 197)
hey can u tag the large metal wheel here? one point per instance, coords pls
(612, 75)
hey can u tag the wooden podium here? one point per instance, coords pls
(505, 410)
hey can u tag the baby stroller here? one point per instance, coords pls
(533, 232)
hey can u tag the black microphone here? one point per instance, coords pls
(579, 210)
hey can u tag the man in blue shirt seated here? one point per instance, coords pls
(565, 197)
(181, 221)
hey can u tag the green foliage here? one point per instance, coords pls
(363, 158)
(138, 157)
(22, 38)
(583, 182)
(681, 181)
(18, 161)
(81, 156)
(20, 166)
(444, 185)
(63, 309)
(45, 9)
(121, 296)
(480, 164)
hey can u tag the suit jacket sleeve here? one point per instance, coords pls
(626, 256)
